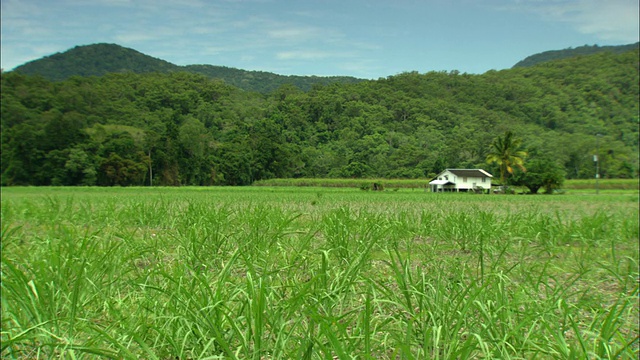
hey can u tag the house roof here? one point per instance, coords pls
(441, 182)
(470, 172)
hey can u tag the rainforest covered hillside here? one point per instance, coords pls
(181, 128)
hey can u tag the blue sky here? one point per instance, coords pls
(367, 39)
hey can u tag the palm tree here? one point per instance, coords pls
(505, 151)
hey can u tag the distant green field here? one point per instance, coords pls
(604, 184)
(317, 273)
(582, 184)
(352, 183)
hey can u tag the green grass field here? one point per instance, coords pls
(317, 273)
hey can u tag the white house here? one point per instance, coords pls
(462, 180)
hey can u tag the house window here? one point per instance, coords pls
(483, 179)
(440, 178)
(446, 177)
(464, 179)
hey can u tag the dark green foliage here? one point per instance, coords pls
(188, 129)
(115, 170)
(542, 173)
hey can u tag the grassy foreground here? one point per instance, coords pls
(315, 273)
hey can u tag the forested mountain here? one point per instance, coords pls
(182, 128)
(94, 60)
(571, 52)
(102, 59)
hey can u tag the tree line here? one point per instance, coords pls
(188, 129)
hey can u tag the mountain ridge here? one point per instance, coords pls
(102, 58)
(551, 55)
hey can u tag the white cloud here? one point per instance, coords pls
(613, 20)
(610, 20)
(109, 2)
(362, 68)
(18, 8)
(294, 33)
(129, 38)
(303, 55)
(247, 58)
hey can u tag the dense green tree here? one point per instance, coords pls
(80, 169)
(115, 170)
(21, 157)
(356, 169)
(234, 163)
(543, 173)
(194, 137)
